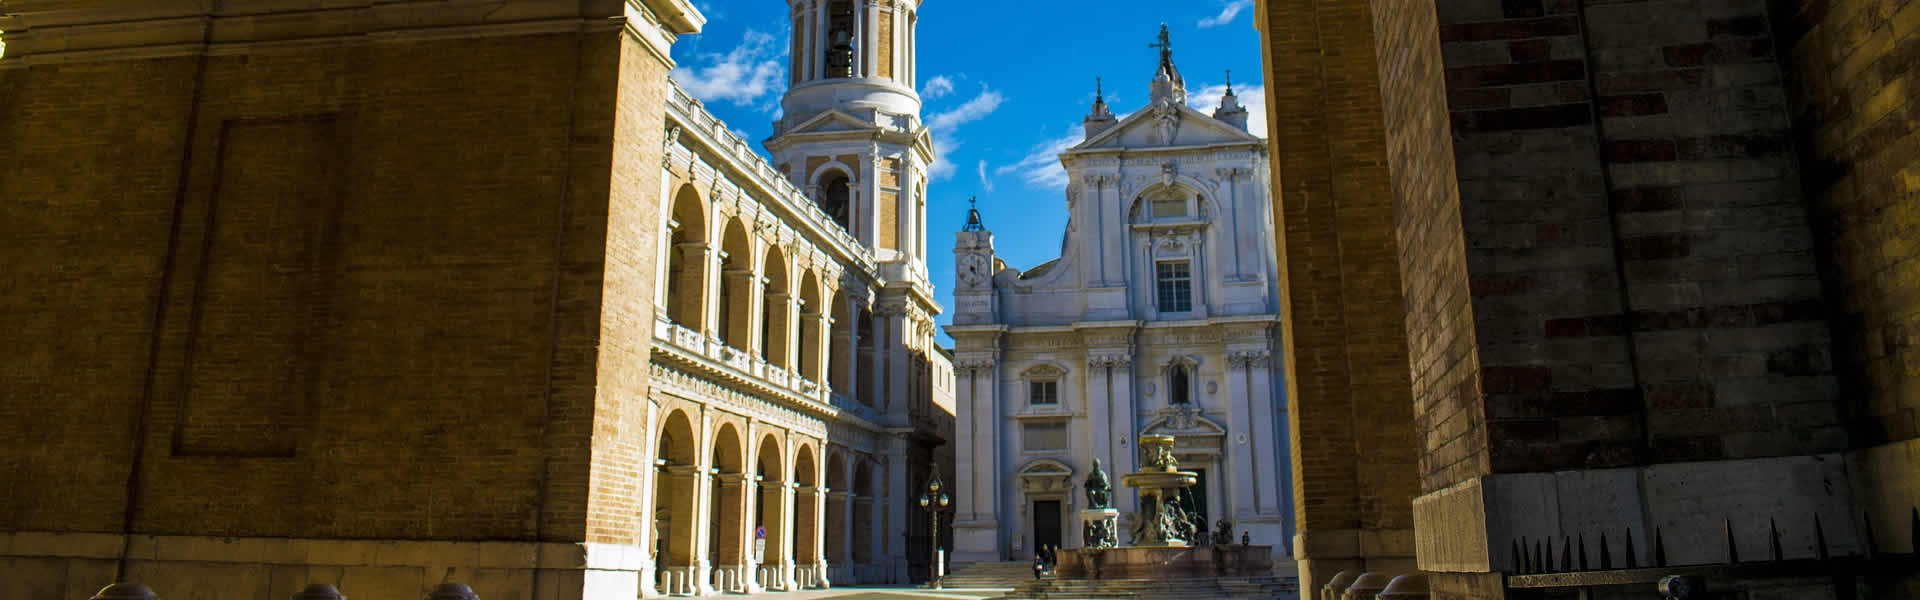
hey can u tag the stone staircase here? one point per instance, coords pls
(1267, 587)
(988, 575)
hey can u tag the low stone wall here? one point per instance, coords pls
(1157, 562)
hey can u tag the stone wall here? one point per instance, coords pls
(1851, 68)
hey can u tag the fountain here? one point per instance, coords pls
(1167, 542)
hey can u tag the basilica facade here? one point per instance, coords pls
(1160, 317)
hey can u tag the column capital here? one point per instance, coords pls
(1110, 359)
(1249, 358)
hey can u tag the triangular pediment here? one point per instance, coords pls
(1145, 129)
(830, 122)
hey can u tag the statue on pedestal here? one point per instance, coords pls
(1099, 490)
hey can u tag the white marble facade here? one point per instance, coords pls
(1161, 316)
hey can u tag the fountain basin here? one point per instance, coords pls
(1157, 480)
(1164, 562)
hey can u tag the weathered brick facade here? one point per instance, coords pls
(379, 284)
(1613, 282)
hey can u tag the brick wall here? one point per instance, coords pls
(453, 305)
(1351, 414)
(1448, 412)
(1852, 68)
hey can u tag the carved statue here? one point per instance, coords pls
(1099, 534)
(1223, 535)
(1099, 490)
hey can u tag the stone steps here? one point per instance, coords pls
(1234, 588)
(988, 575)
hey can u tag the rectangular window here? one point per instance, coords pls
(1037, 437)
(1175, 285)
(1043, 392)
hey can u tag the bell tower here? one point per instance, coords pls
(850, 134)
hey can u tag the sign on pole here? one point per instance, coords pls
(760, 550)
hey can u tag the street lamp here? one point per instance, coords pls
(934, 501)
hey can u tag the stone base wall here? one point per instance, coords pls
(36, 565)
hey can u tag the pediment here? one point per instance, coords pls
(830, 122)
(1143, 129)
(1183, 421)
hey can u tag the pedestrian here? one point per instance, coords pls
(1039, 562)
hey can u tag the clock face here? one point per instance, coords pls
(973, 269)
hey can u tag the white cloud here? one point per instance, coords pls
(978, 108)
(942, 166)
(1227, 13)
(742, 76)
(985, 183)
(937, 87)
(1206, 99)
(1041, 167)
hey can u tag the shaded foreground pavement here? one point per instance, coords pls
(883, 593)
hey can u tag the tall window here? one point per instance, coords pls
(1043, 392)
(1043, 437)
(1178, 388)
(837, 200)
(1174, 281)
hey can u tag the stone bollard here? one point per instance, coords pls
(1338, 585)
(453, 591)
(1405, 587)
(1367, 586)
(319, 591)
(125, 591)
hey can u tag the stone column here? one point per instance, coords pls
(901, 493)
(820, 41)
(649, 478)
(788, 531)
(840, 364)
(820, 533)
(866, 531)
(870, 47)
(1267, 485)
(820, 327)
(1100, 408)
(1125, 422)
(976, 528)
(743, 311)
(1241, 439)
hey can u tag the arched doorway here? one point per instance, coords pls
(673, 494)
(729, 535)
(771, 515)
(839, 557)
(806, 517)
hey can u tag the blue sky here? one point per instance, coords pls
(1005, 84)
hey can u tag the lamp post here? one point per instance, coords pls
(934, 501)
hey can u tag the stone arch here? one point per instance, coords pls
(1182, 377)
(727, 539)
(806, 522)
(736, 286)
(776, 314)
(770, 467)
(687, 259)
(813, 324)
(837, 498)
(1201, 204)
(835, 191)
(676, 463)
(866, 508)
(839, 350)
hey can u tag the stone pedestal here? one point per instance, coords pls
(1135, 562)
(1100, 527)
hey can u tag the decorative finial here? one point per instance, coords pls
(1165, 44)
(1229, 82)
(1099, 91)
